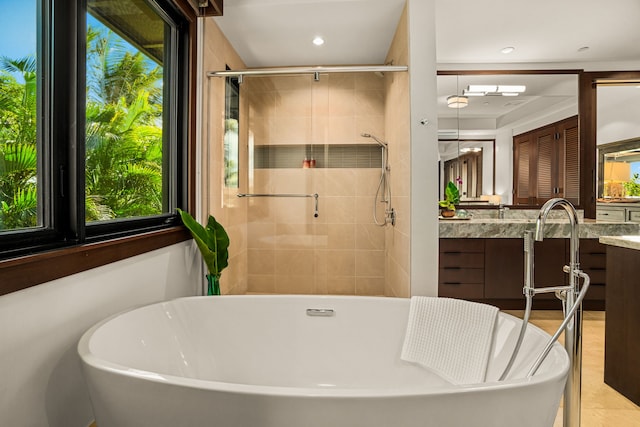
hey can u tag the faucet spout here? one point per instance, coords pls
(544, 212)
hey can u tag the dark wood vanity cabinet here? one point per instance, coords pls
(461, 268)
(492, 270)
(622, 339)
(593, 261)
(504, 269)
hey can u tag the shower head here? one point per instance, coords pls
(379, 141)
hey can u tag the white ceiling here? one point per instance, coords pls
(545, 33)
(269, 33)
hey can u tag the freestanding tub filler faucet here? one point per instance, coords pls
(571, 296)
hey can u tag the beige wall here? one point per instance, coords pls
(218, 201)
(290, 251)
(397, 278)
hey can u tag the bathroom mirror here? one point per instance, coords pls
(618, 141)
(498, 105)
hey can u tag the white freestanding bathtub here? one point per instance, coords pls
(263, 361)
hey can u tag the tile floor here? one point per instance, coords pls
(602, 406)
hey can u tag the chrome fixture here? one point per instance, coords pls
(502, 210)
(315, 196)
(320, 312)
(315, 71)
(384, 186)
(571, 296)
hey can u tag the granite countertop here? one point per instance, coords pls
(629, 242)
(515, 228)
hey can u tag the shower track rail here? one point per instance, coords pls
(315, 71)
(314, 195)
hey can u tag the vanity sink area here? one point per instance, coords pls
(481, 224)
(482, 258)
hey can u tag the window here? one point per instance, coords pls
(94, 121)
(19, 96)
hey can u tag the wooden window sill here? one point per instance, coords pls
(26, 271)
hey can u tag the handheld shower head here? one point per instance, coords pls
(378, 140)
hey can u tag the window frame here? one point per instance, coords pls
(66, 245)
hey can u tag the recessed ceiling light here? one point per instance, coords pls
(507, 50)
(318, 41)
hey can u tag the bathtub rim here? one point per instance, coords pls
(101, 364)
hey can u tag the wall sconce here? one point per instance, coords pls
(457, 101)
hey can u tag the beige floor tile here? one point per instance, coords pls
(602, 406)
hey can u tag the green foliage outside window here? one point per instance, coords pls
(18, 154)
(123, 134)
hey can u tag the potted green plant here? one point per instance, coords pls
(451, 199)
(213, 242)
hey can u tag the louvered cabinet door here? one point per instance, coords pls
(546, 167)
(547, 164)
(524, 184)
(571, 172)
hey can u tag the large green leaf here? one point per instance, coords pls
(221, 242)
(212, 241)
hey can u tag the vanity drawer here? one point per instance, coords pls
(461, 290)
(461, 245)
(461, 259)
(457, 275)
(610, 214)
(633, 215)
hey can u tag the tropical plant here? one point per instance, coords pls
(18, 151)
(123, 134)
(123, 131)
(451, 197)
(213, 242)
(632, 188)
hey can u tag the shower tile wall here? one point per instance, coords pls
(289, 251)
(397, 114)
(218, 200)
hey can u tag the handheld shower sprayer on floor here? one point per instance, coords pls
(384, 186)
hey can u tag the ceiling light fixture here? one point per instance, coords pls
(494, 90)
(470, 150)
(318, 41)
(457, 101)
(507, 50)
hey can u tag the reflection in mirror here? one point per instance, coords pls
(618, 143)
(470, 164)
(231, 124)
(496, 114)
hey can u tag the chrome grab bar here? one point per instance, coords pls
(315, 196)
